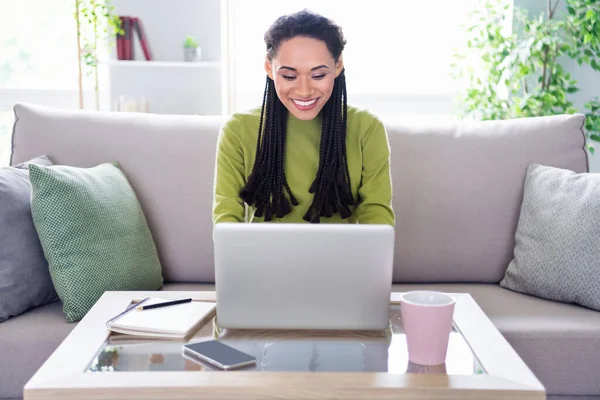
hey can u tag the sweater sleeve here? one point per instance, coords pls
(229, 175)
(375, 191)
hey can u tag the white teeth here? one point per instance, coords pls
(305, 103)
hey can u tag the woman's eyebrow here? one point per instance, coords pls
(312, 69)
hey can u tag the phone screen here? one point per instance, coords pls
(215, 351)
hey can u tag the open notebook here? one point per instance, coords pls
(178, 321)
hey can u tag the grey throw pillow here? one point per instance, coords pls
(557, 250)
(24, 275)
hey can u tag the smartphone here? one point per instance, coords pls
(219, 354)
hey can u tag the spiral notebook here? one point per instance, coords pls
(178, 321)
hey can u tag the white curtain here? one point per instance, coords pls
(397, 57)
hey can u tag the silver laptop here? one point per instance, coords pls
(303, 276)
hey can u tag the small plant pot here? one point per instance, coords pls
(192, 53)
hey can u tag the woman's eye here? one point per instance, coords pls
(319, 76)
(288, 78)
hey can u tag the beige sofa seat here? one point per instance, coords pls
(26, 341)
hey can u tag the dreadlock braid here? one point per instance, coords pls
(332, 186)
(267, 188)
(264, 188)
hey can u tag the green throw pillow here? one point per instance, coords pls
(93, 232)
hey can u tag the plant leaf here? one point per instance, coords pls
(590, 14)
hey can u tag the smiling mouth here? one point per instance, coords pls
(305, 104)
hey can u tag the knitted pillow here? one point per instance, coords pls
(556, 254)
(93, 232)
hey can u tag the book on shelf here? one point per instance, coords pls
(141, 34)
(120, 40)
(176, 322)
(125, 43)
(124, 47)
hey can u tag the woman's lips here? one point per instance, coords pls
(305, 105)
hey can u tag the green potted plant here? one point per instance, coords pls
(191, 50)
(96, 24)
(522, 73)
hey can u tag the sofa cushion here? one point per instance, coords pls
(26, 341)
(93, 232)
(169, 162)
(557, 256)
(458, 191)
(457, 187)
(24, 277)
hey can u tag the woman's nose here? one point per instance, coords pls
(304, 87)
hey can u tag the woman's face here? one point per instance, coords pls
(304, 72)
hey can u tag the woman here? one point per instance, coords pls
(305, 155)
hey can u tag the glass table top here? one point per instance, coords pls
(279, 351)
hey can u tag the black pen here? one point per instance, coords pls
(166, 303)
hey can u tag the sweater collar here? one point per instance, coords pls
(316, 122)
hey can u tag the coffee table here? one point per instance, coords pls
(91, 363)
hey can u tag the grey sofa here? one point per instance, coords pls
(457, 194)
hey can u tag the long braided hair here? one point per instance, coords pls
(267, 188)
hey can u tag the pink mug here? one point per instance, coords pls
(427, 323)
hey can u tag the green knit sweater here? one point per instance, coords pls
(368, 157)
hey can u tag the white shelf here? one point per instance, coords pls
(164, 64)
(169, 84)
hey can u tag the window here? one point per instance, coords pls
(397, 57)
(38, 59)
